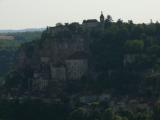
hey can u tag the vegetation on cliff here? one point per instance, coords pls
(8, 49)
(124, 62)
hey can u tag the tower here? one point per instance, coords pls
(101, 17)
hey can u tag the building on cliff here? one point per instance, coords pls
(65, 58)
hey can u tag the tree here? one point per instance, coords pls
(134, 46)
(119, 22)
(108, 114)
(108, 21)
(78, 114)
(156, 111)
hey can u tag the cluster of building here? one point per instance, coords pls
(63, 59)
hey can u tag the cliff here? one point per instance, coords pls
(60, 57)
(89, 58)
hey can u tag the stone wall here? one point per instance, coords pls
(76, 68)
(58, 73)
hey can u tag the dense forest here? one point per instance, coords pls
(8, 49)
(124, 57)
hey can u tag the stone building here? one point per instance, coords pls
(41, 77)
(77, 66)
(90, 23)
(58, 73)
(63, 59)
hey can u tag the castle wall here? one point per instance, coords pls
(61, 50)
(58, 73)
(45, 59)
(56, 65)
(39, 84)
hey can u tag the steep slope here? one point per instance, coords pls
(94, 56)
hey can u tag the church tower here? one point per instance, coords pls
(102, 17)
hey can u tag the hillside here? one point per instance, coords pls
(9, 44)
(120, 55)
(97, 70)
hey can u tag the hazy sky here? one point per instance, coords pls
(17, 14)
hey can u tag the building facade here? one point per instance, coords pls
(64, 59)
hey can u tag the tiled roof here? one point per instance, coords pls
(90, 21)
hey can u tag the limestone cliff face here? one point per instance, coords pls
(60, 56)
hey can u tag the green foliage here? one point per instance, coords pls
(156, 115)
(31, 110)
(9, 48)
(122, 52)
(134, 46)
(124, 60)
(78, 114)
(26, 36)
(9, 44)
(108, 114)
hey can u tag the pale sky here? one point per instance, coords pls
(19, 14)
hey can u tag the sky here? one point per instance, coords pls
(20, 14)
